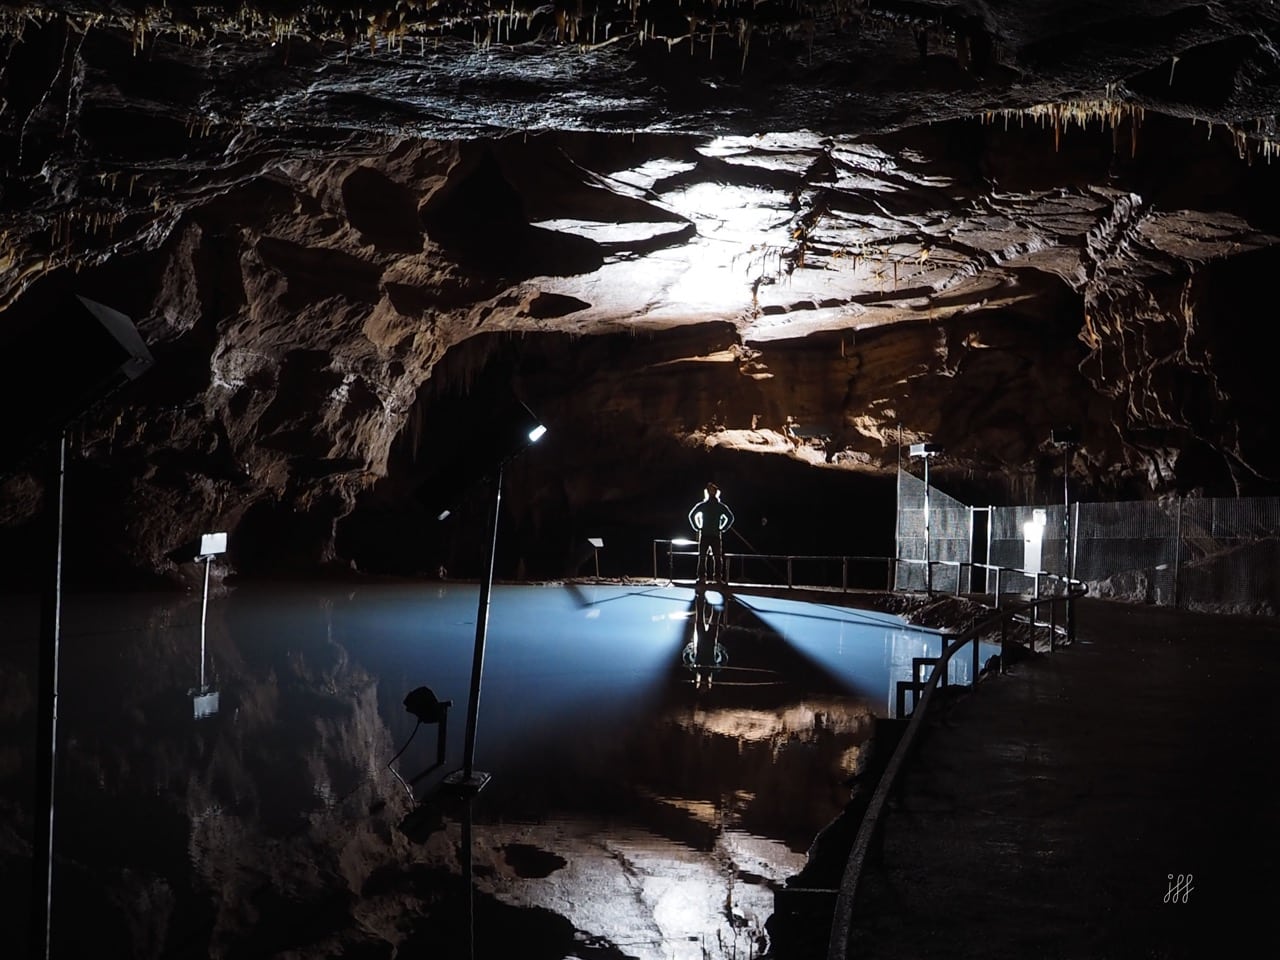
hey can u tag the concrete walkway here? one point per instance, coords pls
(1043, 814)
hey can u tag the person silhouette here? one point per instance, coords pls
(711, 519)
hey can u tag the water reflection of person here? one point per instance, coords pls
(704, 655)
(711, 519)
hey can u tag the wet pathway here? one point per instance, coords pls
(1054, 814)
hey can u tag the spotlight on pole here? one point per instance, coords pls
(79, 353)
(926, 451)
(506, 440)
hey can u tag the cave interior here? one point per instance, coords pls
(765, 244)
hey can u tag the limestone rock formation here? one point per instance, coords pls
(769, 242)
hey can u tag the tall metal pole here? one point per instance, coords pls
(928, 552)
(1066, 514)
(468, 779)
(204, 615)
(47, 729)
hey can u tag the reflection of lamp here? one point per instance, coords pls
(204, 702)
(925, 451)
(522, 431)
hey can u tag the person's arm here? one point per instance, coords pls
(695, 517)
(726, 518)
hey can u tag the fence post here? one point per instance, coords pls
(844, 574)
(1035, 611)
(788, 573)
(1004, 639)
(1053, 621)
(991, 519)
(997, 588)
(1177, 555)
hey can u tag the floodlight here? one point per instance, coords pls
(682, 542)
(444, 514)
(426, 706)
(514, 428)
(596, 542)
(212, 544)
(925, 449)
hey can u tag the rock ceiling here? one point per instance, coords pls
(672, 227)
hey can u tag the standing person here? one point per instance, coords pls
(711, 519)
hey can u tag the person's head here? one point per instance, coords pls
(712, 491)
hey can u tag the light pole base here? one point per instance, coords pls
(463, 784)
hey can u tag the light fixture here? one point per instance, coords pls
(428, 708)
(1033, 541)
(596, 544)
(468, 781)
(82, 353)
(444, 514)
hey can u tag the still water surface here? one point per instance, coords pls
(660, 765)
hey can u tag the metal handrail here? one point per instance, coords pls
(837, 945)
(787, 558)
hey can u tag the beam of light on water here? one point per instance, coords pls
(871, 650)
(558, 662)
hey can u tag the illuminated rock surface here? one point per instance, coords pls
(343, 234)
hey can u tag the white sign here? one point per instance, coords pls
(212, 543)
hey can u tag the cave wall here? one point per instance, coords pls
(319, 298)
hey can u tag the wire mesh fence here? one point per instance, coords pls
(1213, 554)
(948, 535)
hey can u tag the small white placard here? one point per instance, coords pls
(205, 704)
(212, 543)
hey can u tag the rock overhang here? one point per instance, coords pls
(875, 233)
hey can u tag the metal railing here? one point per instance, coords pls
(784, 569)
(1063, 591)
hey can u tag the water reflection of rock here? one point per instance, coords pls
(270, 829)
(796, 758)
(247, 834)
